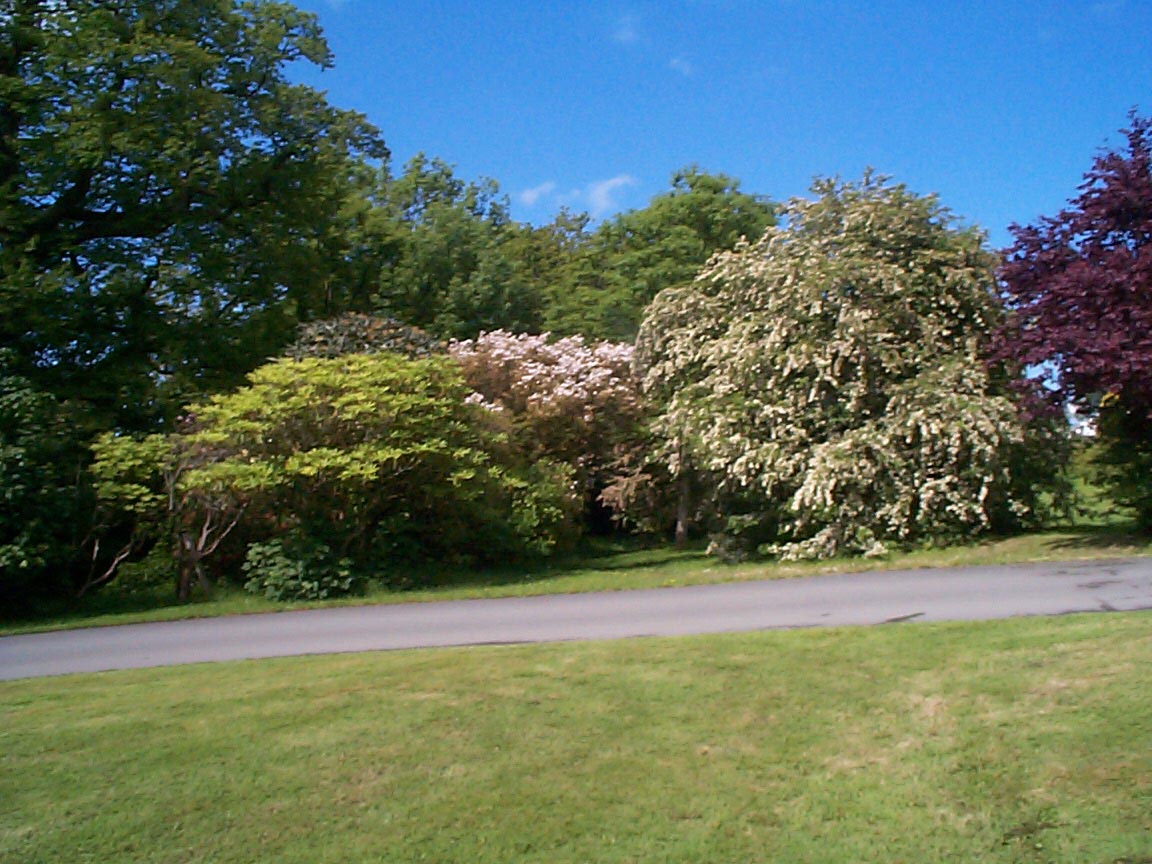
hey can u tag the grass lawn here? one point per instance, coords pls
(606, 567)
(1025, 740)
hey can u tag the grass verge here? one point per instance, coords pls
(1023, 740)
(604, 567)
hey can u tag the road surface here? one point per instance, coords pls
(962, 593)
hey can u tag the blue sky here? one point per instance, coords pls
(998, 107)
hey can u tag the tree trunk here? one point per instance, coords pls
(683, 508)
(183, 576)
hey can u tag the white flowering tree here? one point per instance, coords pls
(823, 390)
(564, 400)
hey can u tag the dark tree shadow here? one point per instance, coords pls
(1098, 537)
(595, 555)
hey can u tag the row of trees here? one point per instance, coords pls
(836, 375)
(389, 458)
(173, 208)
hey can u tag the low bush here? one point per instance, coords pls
(297, 569)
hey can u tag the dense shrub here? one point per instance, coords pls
(297, 569)
(563, 400)
(380, 457)
(45, 501)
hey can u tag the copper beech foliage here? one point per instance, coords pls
(1079, 284)
(1079, 287)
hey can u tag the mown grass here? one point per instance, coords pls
(1024, 740)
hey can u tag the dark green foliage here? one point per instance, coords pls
(1124, 457)
(44, 502)
(297, 568)
(620, 267)
(165, 194)
(356, 333)
(169, 205)
(447, 264)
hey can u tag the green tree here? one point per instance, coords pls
(826, 388)
(448, 267)
(621, 266)
(165, 193)
(356, 333)
(44, 503)
(378, 457)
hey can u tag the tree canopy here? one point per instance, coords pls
(1079, 287)
(627, 260)
(449, 267)
(162, 185)
(825, 384)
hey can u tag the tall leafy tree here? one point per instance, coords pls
(622, 265)
(355, 333)
(162, 187)
(170, 204)
(449, 264)
(824, 390)
(1079, 285)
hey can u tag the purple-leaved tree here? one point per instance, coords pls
(1079, 286)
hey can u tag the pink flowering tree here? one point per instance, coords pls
(564, 400)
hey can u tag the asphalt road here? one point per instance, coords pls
(963, 593)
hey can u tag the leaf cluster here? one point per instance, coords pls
(357, 333)
(162, 187)
(43, 503)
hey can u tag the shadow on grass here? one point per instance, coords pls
(597, 555)
(1098, 537)
(597, 563)
(156, 601)
(110, 601)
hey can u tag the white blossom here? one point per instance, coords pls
(828, 378)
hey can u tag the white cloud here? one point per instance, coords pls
(685, 68)
(626, 31)
(530, 196)
(601, 194)
(599, 198)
